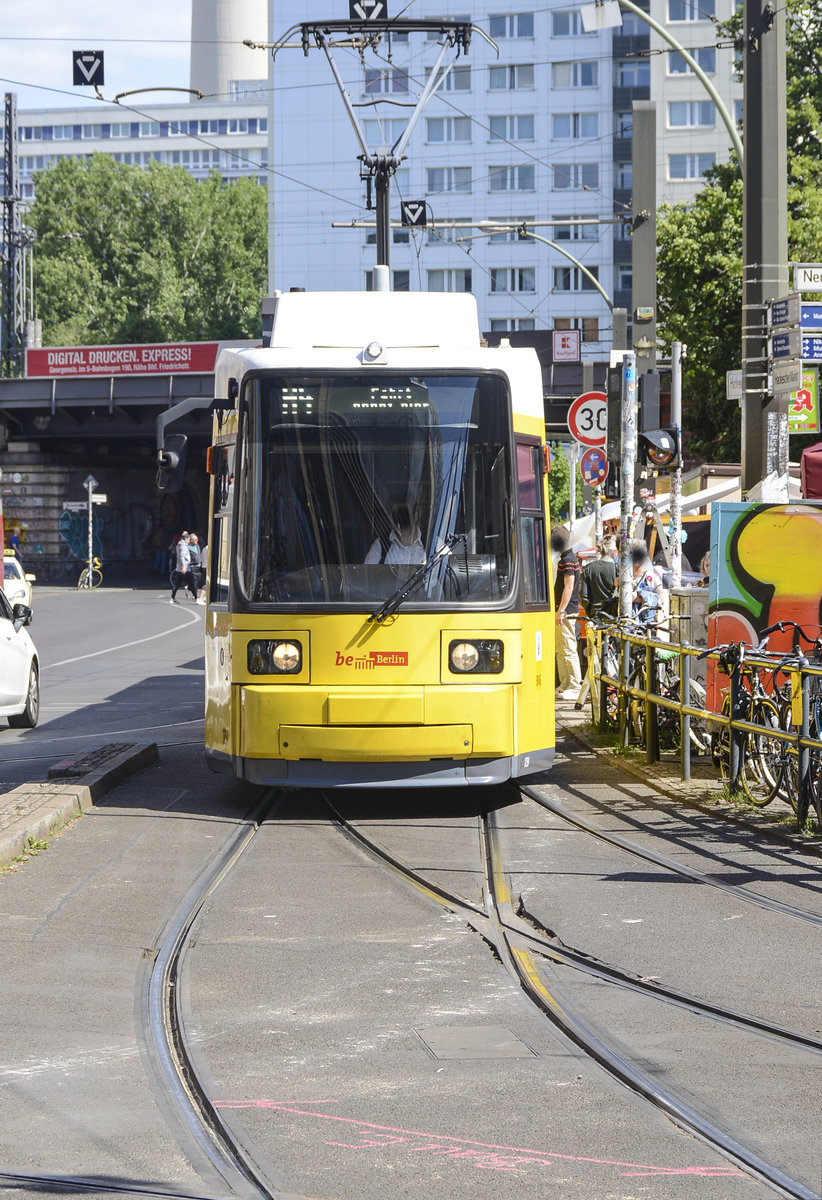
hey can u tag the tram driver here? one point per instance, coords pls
(404, 542)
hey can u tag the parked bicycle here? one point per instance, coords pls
(91, 575)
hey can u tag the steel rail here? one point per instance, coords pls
(572, 1025)
(164, 1023)
(660, 860)
(501, 927)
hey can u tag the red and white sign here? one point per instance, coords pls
(588, 419)
(166, 358)
(566, 345)
(593, 466)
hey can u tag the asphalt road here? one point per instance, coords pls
(362, 1037)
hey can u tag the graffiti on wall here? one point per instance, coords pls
(766, 566)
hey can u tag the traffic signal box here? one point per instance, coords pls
(658, 442)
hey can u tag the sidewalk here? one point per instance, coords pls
(704, 790)
(32, 811)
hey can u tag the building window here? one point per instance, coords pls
(152, 128)
(448, 179)
(588, 326)
(385, 80)
(510, 324)
(633, 72)
(511, 25)
(623, 124)
(575, 176)
(518, 77)
(567, 23)
(689, 166)
(451, 233)
(238, 124)
(691, 10)
(574, 233)
(448, 129)
(456, 280)
(704, 57)
(381, 133)
(511, 179)
(691, 114)
(512, 128)
(581, 74)
(458, 79)
(624, 278)
(571, 279)
(433, 35)
(400, 237)
(32, 133)
(513, 279)
(248, 91)
(624, 175)
(400, 281)
(63, 133)
(575, 125)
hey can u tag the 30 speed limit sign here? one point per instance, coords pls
(587, 419)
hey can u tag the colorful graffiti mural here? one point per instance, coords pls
(766, 566)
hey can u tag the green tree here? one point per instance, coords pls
(126, 254)
(700, 248)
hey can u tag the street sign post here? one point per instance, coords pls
(786, 310)
(807, 277)
(593, 466)
(787, 378)
(733, 385)
(587, 419)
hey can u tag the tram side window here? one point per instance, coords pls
(531, 521)
(220, 551)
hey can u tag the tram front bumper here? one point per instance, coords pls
(380, 725)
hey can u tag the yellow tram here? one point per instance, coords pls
(379, 600)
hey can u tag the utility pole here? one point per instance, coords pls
(629, 445)
(12, 309)
(764, 237)
(643, 239)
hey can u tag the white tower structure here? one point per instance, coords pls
(221, 66)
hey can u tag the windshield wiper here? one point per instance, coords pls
(413, 581)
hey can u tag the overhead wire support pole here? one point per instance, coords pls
(362, 34)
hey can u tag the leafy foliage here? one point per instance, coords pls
(700, 248)
(132, 254)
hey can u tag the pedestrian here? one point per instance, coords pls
(566, 605)
(181, 576)
(646, 584)
(598, 583)
(14, 542)
(197, 567)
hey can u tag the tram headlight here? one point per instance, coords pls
(274, 657)
(481, 657)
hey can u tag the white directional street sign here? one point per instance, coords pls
(90, 482)
(787, 344)
(99, 498)
(787, 377)
(733, 385)
(367, 10)
(88, 68)
(75, 505)
(807, 277)
(413, 212)
(787, 310)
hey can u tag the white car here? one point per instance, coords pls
(16, 582)
(19, 667)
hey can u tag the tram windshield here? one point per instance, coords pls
(350, 482)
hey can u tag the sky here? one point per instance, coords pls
(146, 44)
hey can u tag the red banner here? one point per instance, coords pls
(171, 358)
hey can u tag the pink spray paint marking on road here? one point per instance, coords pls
(484, 1155)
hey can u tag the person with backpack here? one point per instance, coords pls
(647, 588)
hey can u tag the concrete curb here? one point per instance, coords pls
(30, 812)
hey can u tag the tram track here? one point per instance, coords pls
(527, 950)
(205, 1130)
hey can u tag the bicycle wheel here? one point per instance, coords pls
(607, 701)
(82, 582)
(96, 578)
(764, 759)
(636, 708)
